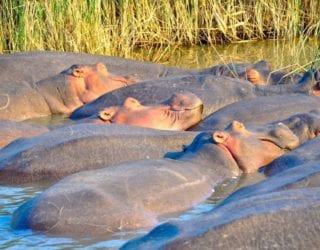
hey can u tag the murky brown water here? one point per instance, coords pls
(280, 54)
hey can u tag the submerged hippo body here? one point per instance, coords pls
(179, 112)
(215, 92)
(259, 110)
(134, 194)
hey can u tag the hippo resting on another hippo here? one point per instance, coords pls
(215, 91)
(282, 211)
(179, 112)
(134, 194)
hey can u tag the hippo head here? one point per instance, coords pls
(179, 112)
(306, 125)
(88, 82)
(254, 149)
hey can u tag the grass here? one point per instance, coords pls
(159, 27)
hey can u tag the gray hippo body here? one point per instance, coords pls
(259, 110)
(282, 212)
(73, 148)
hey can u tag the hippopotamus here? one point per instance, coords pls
(73, 148)
(179, 112)
(10, 131)
(259, 111)
(78, 85)
(134, 195)
(214, 91)
(287, 200)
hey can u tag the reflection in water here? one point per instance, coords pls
(278, 53)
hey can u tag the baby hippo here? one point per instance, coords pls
(181, 111)
(89, 82)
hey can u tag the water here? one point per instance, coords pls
(296, 54)
(289, 55)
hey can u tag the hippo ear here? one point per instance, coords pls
(107, 114)
(101, 68)
(219, 137)
(78, 72)
(131, 102)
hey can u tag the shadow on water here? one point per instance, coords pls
(297, 54)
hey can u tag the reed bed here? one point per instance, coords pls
(119, 27)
